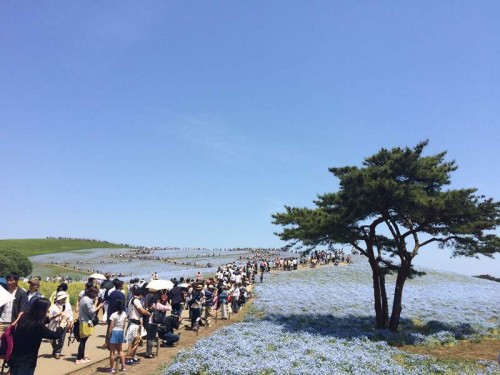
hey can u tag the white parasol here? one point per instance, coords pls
(160, 285)
(5, 296)
(98, 276)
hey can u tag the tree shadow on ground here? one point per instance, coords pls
(352, 326)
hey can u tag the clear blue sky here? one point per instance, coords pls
(190, 123)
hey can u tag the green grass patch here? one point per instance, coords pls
(31, 247)
(74, 289)
(43, 270)
(47, 288)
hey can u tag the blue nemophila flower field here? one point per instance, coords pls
(321, 322)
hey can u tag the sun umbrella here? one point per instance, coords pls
(183, 285)
(98, 276)
(160, 284)
(5, 296)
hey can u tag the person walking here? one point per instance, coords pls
(116, 295)
(223, 302)
(87, 318)
(106, 287)
(12, 311)
(32, 292)
(136, 311)
(235, 296)
(196, 304)
(28, 335)
(176, 298)
(63, 287)
(60, 316)
(151, 300)
(208, 304)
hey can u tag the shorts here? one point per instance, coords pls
(132, 332)
(117, 337)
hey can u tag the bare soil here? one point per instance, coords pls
(486, 349)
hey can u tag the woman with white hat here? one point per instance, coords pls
(60, 315)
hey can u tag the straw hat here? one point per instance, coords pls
(61, 295)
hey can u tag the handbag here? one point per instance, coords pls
(86, 330)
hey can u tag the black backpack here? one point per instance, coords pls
(75, 330)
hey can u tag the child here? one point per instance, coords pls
(116, 335)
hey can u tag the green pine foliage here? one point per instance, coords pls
(396, 203)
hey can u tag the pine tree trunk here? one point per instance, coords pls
(385, 307)
(379, 293)
(398, 297)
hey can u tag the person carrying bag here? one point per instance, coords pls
(136, 311)
(60, 315)
(87, 319)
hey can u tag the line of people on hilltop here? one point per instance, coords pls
(88, 239)
(328, 256)
(129, 257)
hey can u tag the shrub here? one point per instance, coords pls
(14, 261)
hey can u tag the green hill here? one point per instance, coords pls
(38, 246)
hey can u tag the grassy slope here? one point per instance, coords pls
(30, 247)
(43, 270)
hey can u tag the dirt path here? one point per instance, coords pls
(100, 357)
(486, 349)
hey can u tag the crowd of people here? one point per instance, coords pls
(133, 312)
(134, 255)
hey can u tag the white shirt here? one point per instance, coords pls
(133, 309)
(6, 316)
(235, 293)
(69, 311)
(118, 320)
(56, 309)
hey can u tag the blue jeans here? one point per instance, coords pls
(176, 308)
(195, 314)
(170, 338)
